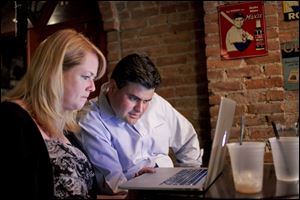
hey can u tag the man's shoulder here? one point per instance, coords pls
(158, 106)
(158, 100)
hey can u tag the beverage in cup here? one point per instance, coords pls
(247, 164)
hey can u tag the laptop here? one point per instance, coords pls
(202, 178)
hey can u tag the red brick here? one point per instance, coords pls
(133, 24)
(254, 96)
(155, 30)
(273, 69)
(171, 60)
(144, 13)
(249, 71)
(272, 33)
(263, 108)
(275, 95)
(272, 57)
(166, 92)
(225, 86)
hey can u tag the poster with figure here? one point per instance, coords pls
(242, 30)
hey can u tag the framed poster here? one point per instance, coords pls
(290, 10)
(242, 30)
(290, 62)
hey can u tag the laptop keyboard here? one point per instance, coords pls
(186, 177)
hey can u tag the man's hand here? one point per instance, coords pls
(145, 170)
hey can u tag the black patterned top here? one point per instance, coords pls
(73, 173)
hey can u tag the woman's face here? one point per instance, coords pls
(79, 82)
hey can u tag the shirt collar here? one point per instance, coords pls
(105, 108)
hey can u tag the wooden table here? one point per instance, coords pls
(223, 188)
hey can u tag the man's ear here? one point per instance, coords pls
(112, 85)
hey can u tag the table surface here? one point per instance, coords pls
(223, 188)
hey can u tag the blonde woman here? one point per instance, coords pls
(42, 163)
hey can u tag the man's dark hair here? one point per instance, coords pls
(238, 14)
(136, 68)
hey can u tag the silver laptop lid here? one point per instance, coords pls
(222, 132)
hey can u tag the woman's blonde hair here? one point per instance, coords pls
(42, 86)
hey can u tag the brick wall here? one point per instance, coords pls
(182, 39)
(255, 83)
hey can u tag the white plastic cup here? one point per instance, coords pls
(284, 188)
(285, 153)
(247, 164)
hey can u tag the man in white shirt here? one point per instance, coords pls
(238, 39)
(129, 129)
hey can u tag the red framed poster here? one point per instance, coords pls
(242, 30)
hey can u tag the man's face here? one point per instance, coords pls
(130, 102)
(238, 22)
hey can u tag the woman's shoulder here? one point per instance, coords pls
(9, 105)
(13, 110)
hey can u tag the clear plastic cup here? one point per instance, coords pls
(288, 129)
(285, 153)
(247, 164)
